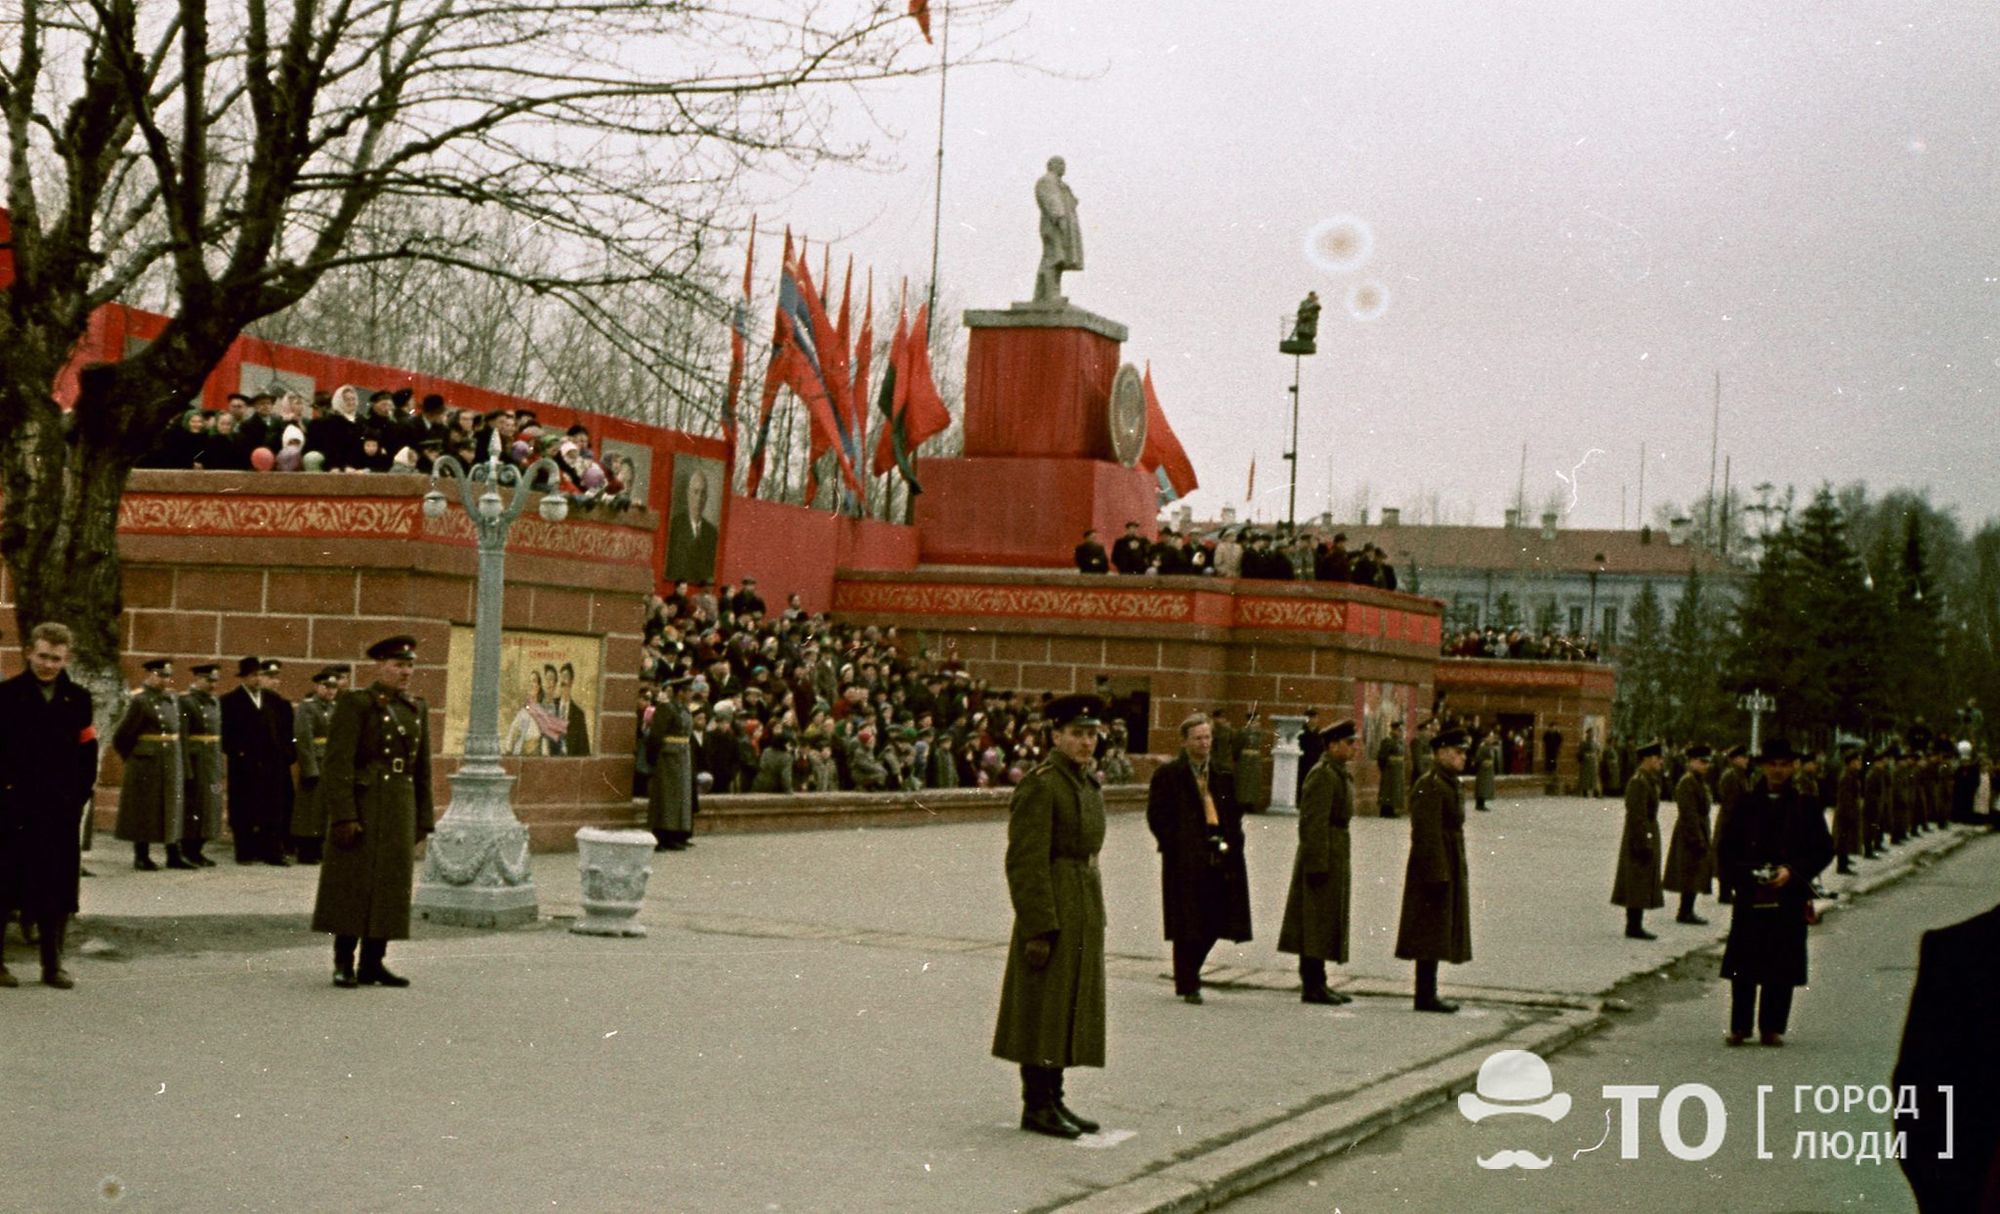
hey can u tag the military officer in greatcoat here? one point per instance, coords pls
(1391, 763)
(1847, 810)
(671, 799)
(1729, 789)
(48, 765)
(375, 790)
(1052, 999)
(1252, 769)
(257, 739)
(310, 727)
(201, 764)
(1878, 802)
(148, 739)
(1204, 887)
(1636, 886)
(1691, 853)
(1316, 908)
(1772, 847)
(1436, 922)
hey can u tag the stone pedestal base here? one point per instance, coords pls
(476, 871)
(615, 865)
(1285, 765)
(1026, 511)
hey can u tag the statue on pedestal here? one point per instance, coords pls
(1062, 233)
(1305, 328)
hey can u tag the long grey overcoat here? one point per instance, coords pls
(1253, 771)
(376, 771)
(201, 767)
(1054, 1016)
(1316, 908)
(1488, 786)
(1436, 923)
(1847, 813)
(1391, 759)
(148, 739)
(670, 793)
(1691, 854)
(311, 723)
(1637, 884)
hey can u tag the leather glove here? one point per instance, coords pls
(1036, 952)
(347, 834)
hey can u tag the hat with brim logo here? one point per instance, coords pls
(1514, 1081)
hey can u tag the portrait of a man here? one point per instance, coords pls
(695, 528)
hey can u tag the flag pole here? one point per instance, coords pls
(937, 187)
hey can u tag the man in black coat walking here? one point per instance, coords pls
(1769, 850)
(48, 765)
(1205, 893)
(257, 742)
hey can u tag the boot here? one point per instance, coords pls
(1040, 1113)
(174, 858)
(1082, 1123)
(371, 971)
(142, 858)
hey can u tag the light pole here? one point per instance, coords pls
(476, 871)
(1299, 343)
(1756, 704)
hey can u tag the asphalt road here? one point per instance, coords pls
(1845, 1030)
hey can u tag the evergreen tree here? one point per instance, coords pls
(1837, 675)
(1506, 612)
(1698, 707)
(1642, 670)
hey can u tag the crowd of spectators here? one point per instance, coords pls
(1547, 646)
(352, 430)
(792, 702)
(1239, 552)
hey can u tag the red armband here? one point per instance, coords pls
(89, 734)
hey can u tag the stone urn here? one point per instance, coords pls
(615, 865)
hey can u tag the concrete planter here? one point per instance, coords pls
(615, 865)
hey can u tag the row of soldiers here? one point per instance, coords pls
(186, 755)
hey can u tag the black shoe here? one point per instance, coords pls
(278, 862)
(1639, 933)
(380, 976)
(177, 862)
(1191, 997)
(58, 978)
(1319, 996)
(202, 861)
(1691, 920)
(146, 864)
(84, 872)
(1082, 1123)
(343, 977)
(1438, 1005)
(1047, 1120)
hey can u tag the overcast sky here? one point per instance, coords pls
(1580, 213)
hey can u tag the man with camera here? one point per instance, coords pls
(1769, 850)
(1192, 810)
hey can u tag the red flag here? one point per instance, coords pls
(921, 10)
(774, 375)
(916, 411)
(1163, 455)
(739, 338)
(864, 357)
(820, 376)
(889, 452)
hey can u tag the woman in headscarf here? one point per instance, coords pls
(336, 434)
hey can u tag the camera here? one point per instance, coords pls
(1765, 873)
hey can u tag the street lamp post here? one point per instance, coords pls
(1756, 704)
(476, 871)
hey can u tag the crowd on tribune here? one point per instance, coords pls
(1518, 643)
(1239, 552)
(353, 429)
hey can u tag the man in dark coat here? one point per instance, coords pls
(1771, 848)
(1729, 789)
(1052, 998)
(1636, 887)
(1954, 989)
(1090, 555)
(1589, 779)
(1436, 923)
(257, 738)
(312, 725)
(375, 790)
(1878, 801)
(1315, 927)
(1847, 810)
(48, 766)
(671, 796)
(1130, 553)
(148, 739)
(1691, 854)
(201, 764)
(1390, 764)
(1204, 889)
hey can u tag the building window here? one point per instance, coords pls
(1610, 630)
(1576, 621)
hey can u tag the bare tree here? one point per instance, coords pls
(226, 159)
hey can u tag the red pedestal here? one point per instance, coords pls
(1029, 511)
(1038, 466)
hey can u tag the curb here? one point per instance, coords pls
(1216, 1177)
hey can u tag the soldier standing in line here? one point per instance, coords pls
(1729, 789)
(1691, 853)
(201, 764)
(1589, 780)
(1878, 804)
(1316, 908)
(671, 797)
(1902, 795)
(148, 739)
(48, 765)
(310, 728)
(1847, 810)
(1391, 762)
(257, 738)
(1436, 922)
(375, 791)
(1252, 768)
(1052, 999)
(1486, 783)
(1637, 884)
